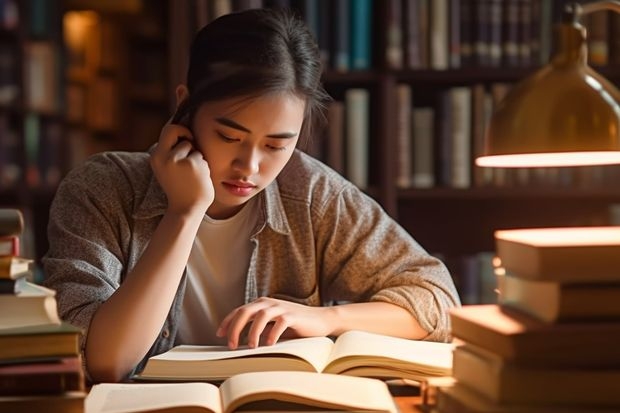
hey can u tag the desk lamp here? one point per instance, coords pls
(565, 114)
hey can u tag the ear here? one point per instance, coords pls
(181, 93)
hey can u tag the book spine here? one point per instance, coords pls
(403, 133)
(361, 34)
(357, 109)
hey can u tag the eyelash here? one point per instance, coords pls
(232, 140)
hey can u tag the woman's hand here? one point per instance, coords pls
(182, 171)
(270, 319)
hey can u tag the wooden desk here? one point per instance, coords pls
(409, 404)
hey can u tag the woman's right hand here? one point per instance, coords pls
(182, 171)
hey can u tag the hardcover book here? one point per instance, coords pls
(354, 353)
(578, 254)
(554, 302)
(523, 339)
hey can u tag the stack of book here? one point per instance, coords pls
(550, 344)
(40, 363)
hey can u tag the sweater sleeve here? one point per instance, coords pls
(367, 256)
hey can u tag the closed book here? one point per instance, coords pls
(11, 222)
(523, 339)
(13, 267)
(554, 302)
(357, 121)
(39, 342)
(568, 255)
(361, 34)
(67, 402)
(458, 398)
(31, 305)
(46, 377)
(506, 382)
(12, 286)
(9, 246)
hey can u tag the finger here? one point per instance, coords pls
(170, 134)
(277, 329)
(233, 325)
(259, 323)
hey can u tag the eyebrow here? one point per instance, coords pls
(232, 124)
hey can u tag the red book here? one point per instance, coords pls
(48, 377)
(9, 246)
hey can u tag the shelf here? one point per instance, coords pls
(462, 221)
(499, 194)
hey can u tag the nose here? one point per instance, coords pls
(247, 160)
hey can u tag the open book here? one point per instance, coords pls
(258, 391)
(354, 353)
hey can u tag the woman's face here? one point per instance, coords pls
(246, 142)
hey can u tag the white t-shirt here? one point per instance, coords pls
(216, 275)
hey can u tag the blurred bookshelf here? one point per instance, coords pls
(419, 78)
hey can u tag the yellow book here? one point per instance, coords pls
(354, 353)
(13, 267)
(257, 392)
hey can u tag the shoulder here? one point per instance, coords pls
(109, 175)
(110, 168)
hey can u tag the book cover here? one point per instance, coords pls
(11, 222)
(39, 342)
(354, 353)
(259, 391)
(45, 377)
(9, 245)
(67, 402)
(522, 339)
(571, 254)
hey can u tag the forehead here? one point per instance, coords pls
(282, 106)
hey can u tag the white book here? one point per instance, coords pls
(439, 37)
(354, 353)
(31, 305)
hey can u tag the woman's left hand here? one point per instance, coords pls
(269, 319)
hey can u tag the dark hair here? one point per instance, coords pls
(252, 53)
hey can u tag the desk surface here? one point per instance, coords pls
(408, 404)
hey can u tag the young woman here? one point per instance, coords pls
(226, 233)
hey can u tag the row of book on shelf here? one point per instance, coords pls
(452, 34)
(40, 362)
(549, 344)
(436, 142)
(31, 151)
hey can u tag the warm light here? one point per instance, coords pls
(535, 160)
(565, 114)
(563, 237)
(77, 25)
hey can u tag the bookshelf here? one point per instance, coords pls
(452, 221)
(32, 145)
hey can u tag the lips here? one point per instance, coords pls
(239, 188)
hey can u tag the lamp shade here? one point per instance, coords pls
(565, 114)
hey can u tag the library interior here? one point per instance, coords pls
(419, 90)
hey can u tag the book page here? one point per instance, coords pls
(328, 391)
(218, 362)
(362, 349)
(136, 397)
